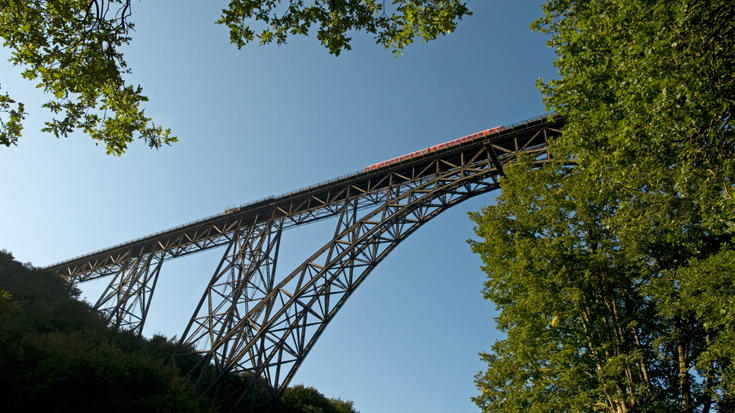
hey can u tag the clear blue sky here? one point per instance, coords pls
(267, 120)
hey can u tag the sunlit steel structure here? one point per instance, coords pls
(260, 326)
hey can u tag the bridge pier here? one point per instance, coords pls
(127, 298)
(251, 331)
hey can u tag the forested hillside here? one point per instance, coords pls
(58, 355)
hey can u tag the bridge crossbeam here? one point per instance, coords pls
(300, 207)
(127, 298)
(284, 323)
(253, 327)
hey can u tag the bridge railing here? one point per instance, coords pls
(510, 128)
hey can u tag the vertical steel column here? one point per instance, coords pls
(126, 300)
(244, 275)
(249, 364)
(266, 375)
(291, 318)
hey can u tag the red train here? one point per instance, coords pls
(435, 148)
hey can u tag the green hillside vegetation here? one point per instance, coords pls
(58, 355)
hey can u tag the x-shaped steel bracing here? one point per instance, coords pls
(274, 327)
(126, 300)
(251, 330)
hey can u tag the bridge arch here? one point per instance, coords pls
(253, 321)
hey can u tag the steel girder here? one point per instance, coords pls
(263, 344)
(295, 213)
(298, 207)
(246, 271)
(251, 331)
(126, 300)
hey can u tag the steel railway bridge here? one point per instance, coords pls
(252, 329)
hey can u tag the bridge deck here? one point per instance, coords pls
(303, 205)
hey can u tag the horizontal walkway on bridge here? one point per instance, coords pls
(303, 205)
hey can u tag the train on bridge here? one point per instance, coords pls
(435, 148)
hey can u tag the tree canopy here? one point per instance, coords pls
(300, 398)
(71, 48)
(648, 89)
(597, 318)
(614, 278)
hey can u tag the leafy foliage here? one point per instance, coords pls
(76, 370)
(614, 278)
(426, 19)
(596, 320)
(56, 351)
(302, 399)
(648, 89)
(10, 129)
(71, 48)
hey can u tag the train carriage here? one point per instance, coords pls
(435, 148)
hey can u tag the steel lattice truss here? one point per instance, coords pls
(126, 299)
(252, 329)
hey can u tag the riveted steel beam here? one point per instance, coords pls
(285, 323)
(127, 298)
(299, 207)
(251, 330)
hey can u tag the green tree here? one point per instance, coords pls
(647, 89)
(595, 320)
(72, 49)
(56, 353)
(302, 399)
(86, 372)
(393, 28)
